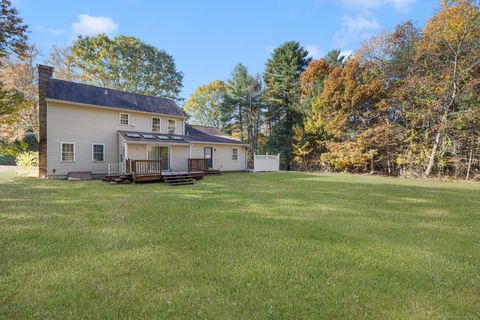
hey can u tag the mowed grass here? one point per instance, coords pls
(286, 245)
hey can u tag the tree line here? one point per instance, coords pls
(407, 103)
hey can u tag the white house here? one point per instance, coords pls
(86, 128)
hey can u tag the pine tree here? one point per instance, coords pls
(282, 96)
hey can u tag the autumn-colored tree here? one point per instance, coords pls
(205, 105)
(19, 74)
(448, 55)
(309, 137)
(63, 62)
(315, 73)
(354, 110)
(13, 103)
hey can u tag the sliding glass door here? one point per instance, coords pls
(157, 153)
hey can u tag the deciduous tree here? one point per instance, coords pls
(206, 103)
(126, 63)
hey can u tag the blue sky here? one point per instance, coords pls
(208, 38)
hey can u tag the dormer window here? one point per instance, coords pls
(155, 124)
(124, 119)
(171, 126)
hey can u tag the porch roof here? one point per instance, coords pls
(149, 137)
(194, 136)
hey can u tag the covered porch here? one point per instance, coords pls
(149, 157)
(146, 159)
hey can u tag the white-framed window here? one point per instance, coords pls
(67, 151)
(98, 152)
(155, 124)
(124, 119)
(171, 126)
(234, 154)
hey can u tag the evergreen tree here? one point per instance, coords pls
(282, 96)
(243, 105)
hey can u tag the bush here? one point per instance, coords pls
(27, 163)
(7, 160)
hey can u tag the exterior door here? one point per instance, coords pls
(208, 154)
(157, 153)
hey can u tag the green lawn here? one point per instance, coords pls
(286, 245)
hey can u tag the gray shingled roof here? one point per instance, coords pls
(82, 93)
(204, 129)
(207, 134)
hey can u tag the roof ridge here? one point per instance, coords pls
(106, 88)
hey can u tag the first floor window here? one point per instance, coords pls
(234, 154)
(156, 124)
(98, 152)
(124, 119)
(171, 126)
(68, 151)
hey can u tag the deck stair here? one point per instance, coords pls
(178, 179)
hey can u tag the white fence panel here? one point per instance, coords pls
(266, 163)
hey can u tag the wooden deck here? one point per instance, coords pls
(151, 170)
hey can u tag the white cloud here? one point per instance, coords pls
(357, 28)
(346, 53)
(402, 5)
(359, 23)
(88, 25)
(314, 51)
(399, 5)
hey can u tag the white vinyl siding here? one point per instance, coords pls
(84, 126)
(222, 156)
(67, 151)
(98, 152)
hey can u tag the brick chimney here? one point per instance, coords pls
(44, 74)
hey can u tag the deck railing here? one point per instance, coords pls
(113, 169)
(198, 164)
(144, 167)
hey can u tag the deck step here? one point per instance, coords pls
(178, 180)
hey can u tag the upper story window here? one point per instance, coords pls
(171, 126)
(124, 119)
(156, 124)
(68, 151)
(234, 154)
(98, 152)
